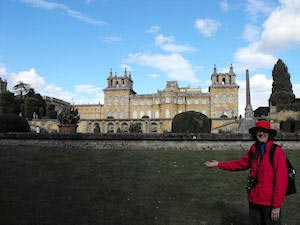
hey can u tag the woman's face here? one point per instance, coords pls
(262, 135)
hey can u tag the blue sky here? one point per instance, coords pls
(65, 49)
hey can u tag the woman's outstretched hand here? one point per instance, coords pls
(211, 163)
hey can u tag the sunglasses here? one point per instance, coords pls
(263, 130)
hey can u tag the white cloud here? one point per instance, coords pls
(72, 13)
(251, 32)
(296, 90)
(167, 44)
(153, 30)
(282, 28)
(207, 26)
(154, 75)
(252, 58)
(2, 71)
(260, 91)
(111, 39)
(29, 77)
(87, 88)
(174, 65)
(83, 94)
(224, 5)
(256, 8)
(280, 31)
(127, 67)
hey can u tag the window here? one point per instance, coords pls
(180, 101)
(109, 100)
(167, 113)
(122, 100)
(167, 99)
(122, 115)
(231, 98)
(116, 115)
(134, 115)
(142, 102)
(156, 115)
(224, 98)
(116, 100)
(149, 114)
(189, 101)
(204, 112)
(142, 113)
(217, 99)
(149, 102)
(135, 102)
(196, 101)
(156, 101)
(204, 101)
(110, 128)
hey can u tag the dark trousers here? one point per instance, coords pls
(261, 215)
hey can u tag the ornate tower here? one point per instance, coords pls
(224, 94)
(3, 85)
(116, 95)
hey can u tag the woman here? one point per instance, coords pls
(267, 181)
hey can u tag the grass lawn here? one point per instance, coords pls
(49, 186)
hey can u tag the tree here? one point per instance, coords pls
(8, 103)
(191, 122)
(51, 113)
(34, 103)
(282, 92)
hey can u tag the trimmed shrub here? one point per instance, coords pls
(13, 123)
(191, 122)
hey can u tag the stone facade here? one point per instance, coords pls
(3, 85)
(154, 112)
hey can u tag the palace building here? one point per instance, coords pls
(154, 112)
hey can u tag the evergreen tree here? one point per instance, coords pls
(282, 92)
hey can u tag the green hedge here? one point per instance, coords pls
(13, 123)
(191, 122)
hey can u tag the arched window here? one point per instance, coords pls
(167, 99)
(149, 114)
(153, 128)
(110, 128)
(124, 127)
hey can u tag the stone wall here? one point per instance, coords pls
(145, 141)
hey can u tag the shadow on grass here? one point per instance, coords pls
(232, 214)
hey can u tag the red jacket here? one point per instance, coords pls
(272, 180)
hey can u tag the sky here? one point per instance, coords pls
(66, 49)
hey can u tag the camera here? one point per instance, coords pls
(252, 182)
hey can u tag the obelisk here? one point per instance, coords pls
(248, 110)
(246, 123)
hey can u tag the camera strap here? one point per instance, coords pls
(253, 155)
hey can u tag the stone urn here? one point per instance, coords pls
(67, 128)
(68, 119)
